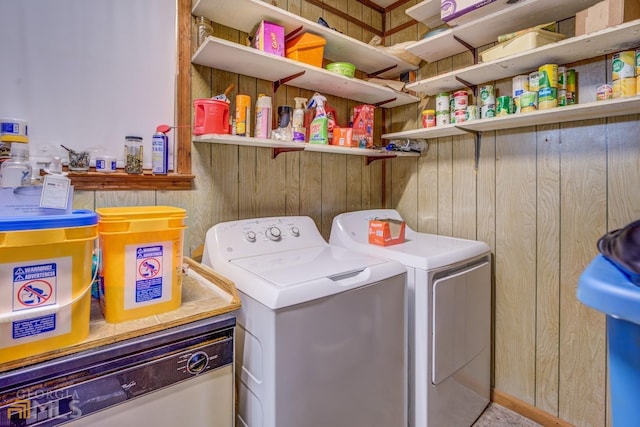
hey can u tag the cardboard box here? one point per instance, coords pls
(458, 12)
(343, 137)
(607, 13)
(363, 116)
(386, 231)
(269, 37)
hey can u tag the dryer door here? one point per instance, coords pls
(461, 319)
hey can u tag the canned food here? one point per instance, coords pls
(460, 116)
(623, 88)
(571, 80)
(442, 118)
(534, 81)
(528, 101)
(487, 111)
(548, 76)
(562, 97)
(504, 105)
(460, 100)
(428, 118)
(547, 98)
(442, 102)
(487, 95)
(604, 92)
(472, 113)
(562, 77)
(623, 65)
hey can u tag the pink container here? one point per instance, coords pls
(211, 116)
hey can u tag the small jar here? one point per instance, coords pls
(428, 118)
(133, 154)
(203, 29)
(16, 172)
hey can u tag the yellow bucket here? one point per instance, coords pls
(45, 278)
(141, 261)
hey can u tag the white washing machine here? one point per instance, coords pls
(322, 333)
(449, 293)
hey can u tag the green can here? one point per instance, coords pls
(504, 105)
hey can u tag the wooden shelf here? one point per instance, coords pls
(122, 181)
(427, 12)
(614, 39)
(244, 15)
(284, 146)
(236, 58)
(524, 14)
(587, 111)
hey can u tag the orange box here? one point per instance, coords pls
(343, 136)
(605, 14)
(307, 48)
(386, 232)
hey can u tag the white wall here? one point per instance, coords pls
(87, 73)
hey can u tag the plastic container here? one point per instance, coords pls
(530, 40)
(307, 48)
(211, 116)
(141, 259)
(45, 278)
(604, 287)
(344, 68)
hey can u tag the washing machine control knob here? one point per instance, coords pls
(295, 231)
(273, 233)
(250, 236)
(197, 362)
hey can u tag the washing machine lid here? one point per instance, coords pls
(420, 250)
(286, 278)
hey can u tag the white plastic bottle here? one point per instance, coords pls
(263, 116)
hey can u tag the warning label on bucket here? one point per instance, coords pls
(34, 286)
(149, 262)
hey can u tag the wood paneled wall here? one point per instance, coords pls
(540, 198)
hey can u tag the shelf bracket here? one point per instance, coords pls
(370, 159)
(275, 151)
(469, 47)
(478, 141)
(471, 86)
(384, 70)
(277, 84)
(377, 104)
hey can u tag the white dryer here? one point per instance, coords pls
(449, 293)
(322, 332)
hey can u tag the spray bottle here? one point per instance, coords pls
(318, 132)
(297, 121)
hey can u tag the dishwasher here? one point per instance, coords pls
(181, 376)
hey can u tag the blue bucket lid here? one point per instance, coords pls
(77, 218)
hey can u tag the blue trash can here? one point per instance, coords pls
(604, 287)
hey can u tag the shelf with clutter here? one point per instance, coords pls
(243, 15)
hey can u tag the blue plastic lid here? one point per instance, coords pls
(607, 289)
(77, 218)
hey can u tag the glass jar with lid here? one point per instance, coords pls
(204, 29)
(133, 154)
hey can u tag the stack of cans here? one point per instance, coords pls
(487, 101)
(442, 109)
(460, 102)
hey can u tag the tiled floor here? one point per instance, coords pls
(499, 416)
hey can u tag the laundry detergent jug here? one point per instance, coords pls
(211, 116)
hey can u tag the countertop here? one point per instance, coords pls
(205, 293)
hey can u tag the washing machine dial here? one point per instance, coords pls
(274, 233)
(295, 231)
(197, 362)
(250, 236)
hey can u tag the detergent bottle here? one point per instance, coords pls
(318, 132)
